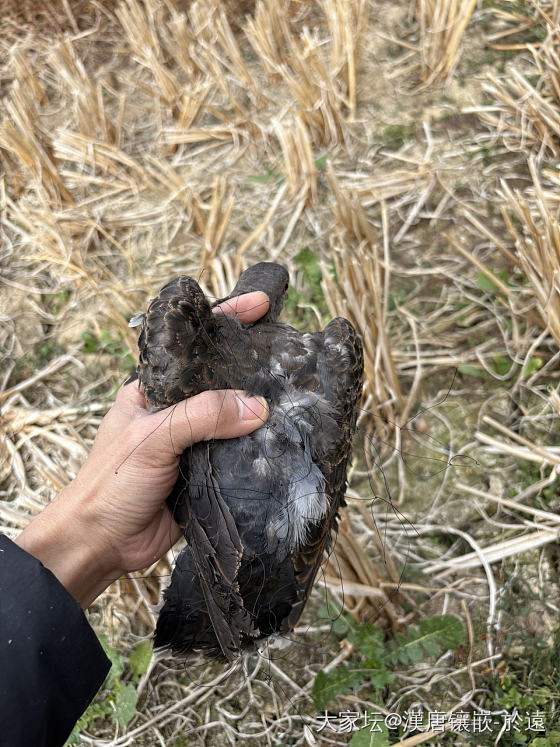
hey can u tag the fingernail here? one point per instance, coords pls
(223, 308)
(252, 408)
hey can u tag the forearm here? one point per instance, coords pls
(59, 538)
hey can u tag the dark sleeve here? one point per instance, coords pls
(51, 662)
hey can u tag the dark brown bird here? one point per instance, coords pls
(257, 511)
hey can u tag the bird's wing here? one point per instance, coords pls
(340, 368)
(175, 344)
(214, 557)
(178, 359)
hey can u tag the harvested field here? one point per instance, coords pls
(402, 161)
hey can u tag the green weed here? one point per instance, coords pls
(118, 696)
(376, 658)
(268, 176)
(528, 680)
(109, 343)
(310, 291)
(57, 301)
(396, 135)
(33, 360)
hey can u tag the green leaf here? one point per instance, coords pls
(59, 300)
(378, 679)
(437, 633)
(321, 161)
(501, 364)
(367, 738)
(487, 285)
(341, 626)
(90, 342)
(341, 623)
(369, 640)
(106, 338)
(116, 659)
(139, 659)
(293, 298)
(552, 739)
(269, 175)
(432, 648)
(96, 709)
(448, 627)
(532, 365)
(125, 703)
(338, 681)
(307, 261)
(468, 370)
(259, 178)
(329, 611)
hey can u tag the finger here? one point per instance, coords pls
(129, 404)
(130, 395)
(214, 414)
(247, 308)
(168, 532)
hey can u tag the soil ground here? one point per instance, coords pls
(141, 140)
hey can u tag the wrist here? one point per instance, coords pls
(58, 537)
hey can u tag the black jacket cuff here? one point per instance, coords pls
(51, 662)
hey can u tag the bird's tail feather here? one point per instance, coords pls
(191, 617)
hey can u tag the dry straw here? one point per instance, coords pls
(360, 293)
(89, 96)
(323, 88)
(25, 140)
(526, 102)
(537, 243)
(360, 584)
(20, 18)
(298, 162)
(347, 22)
(140, 23)
(522, 22)
(532, 223)
(442, 24)
(123, 171)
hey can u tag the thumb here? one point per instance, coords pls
(224, 413)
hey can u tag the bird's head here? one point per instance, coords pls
(268, 277)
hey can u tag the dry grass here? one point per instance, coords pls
(537, 244)
(361, 294)
(154, 137)
(442, 24)
(143, 177)
(525, 108)
(21, 18)
(516, 26)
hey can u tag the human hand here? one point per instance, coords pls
(112, 518)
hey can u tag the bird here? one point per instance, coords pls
(258, 512)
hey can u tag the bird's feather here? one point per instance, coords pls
(258, 512)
